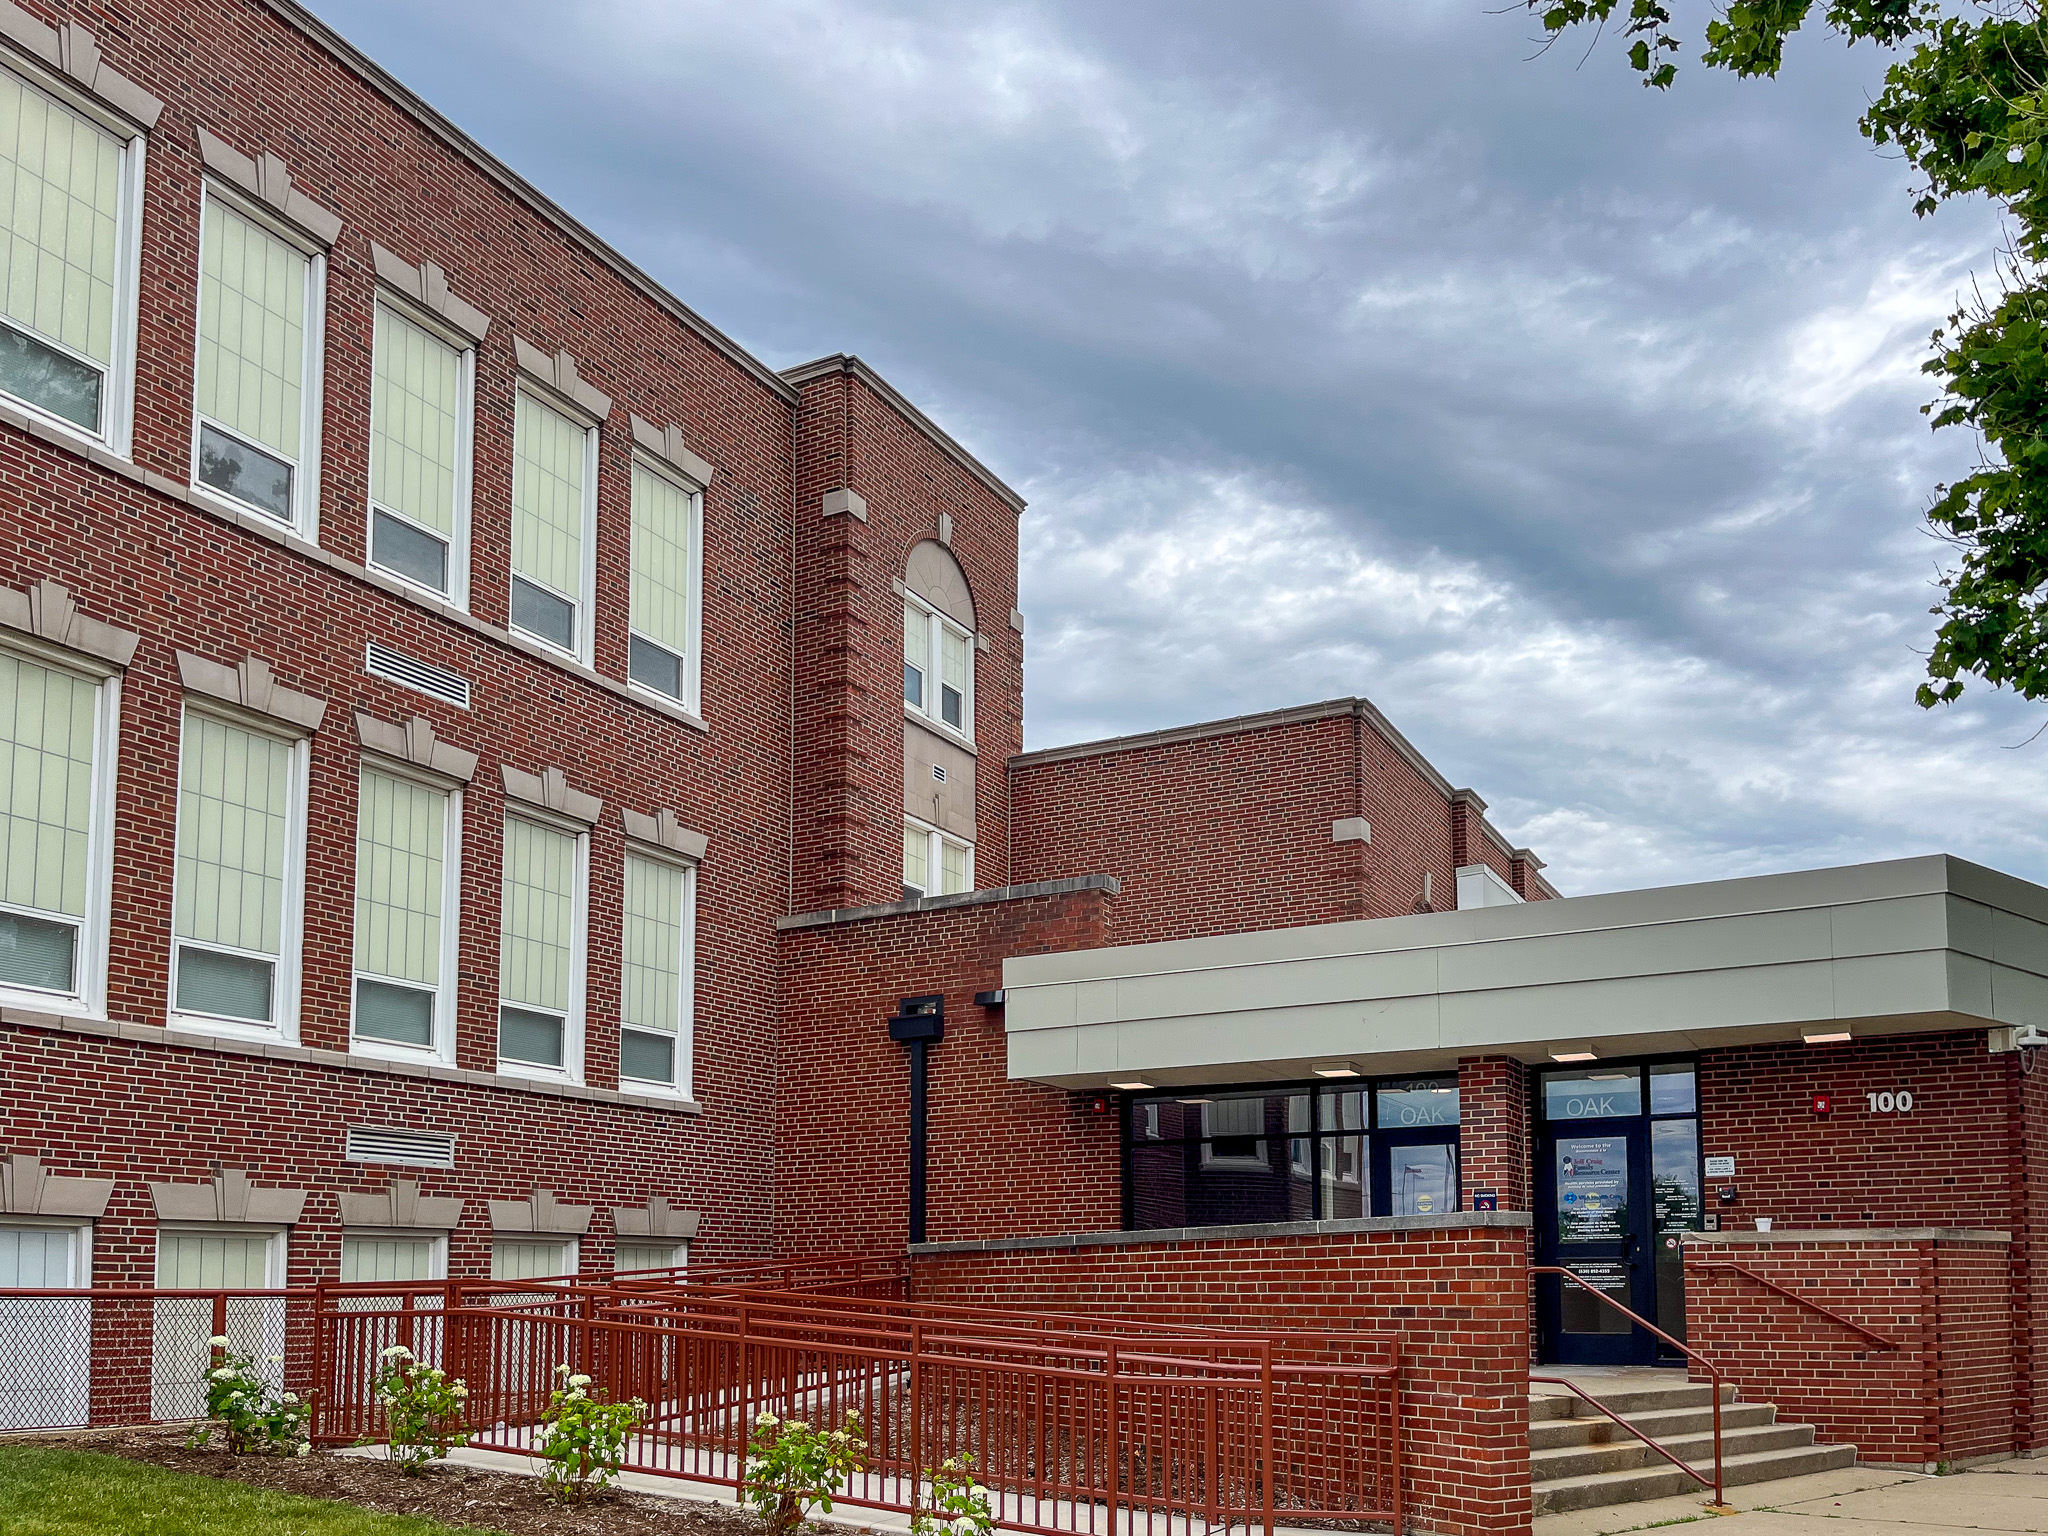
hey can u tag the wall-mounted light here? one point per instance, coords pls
(1826, 1037)
(1131, 1085)
(1574, 1053)
(1336, 1069)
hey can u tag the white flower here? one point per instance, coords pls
(561, 1370)
(392, 1352)
(766, 1421)
(291, 1398)
(579, 1380)
(979, 1494)
(305, 1448)
(277, 1359)
(2015, 154)
(221, 1373)
(458, 1390)
(219, 1341)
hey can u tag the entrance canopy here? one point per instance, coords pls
(1902, 947)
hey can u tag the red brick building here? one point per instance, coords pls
(450, 709)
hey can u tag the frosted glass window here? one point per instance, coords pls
(37, 1258)
(916, 861)
(60, 193)
(954, 669)
(952, 867)
(189, 1261)
(917, 653)
(537, 956)
(48, 726)
(389, 1258)
(234, 814)
(531, 1259)
(662, 514)
(251, 385)
(401, 884)
(633, 1255)
(656, 908)
(415, 448)
(548, 510)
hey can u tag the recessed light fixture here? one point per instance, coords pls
(1574, 1053)
(1191, 1101)
(1826, 1037)
(1335, 1069)
(1131, 1085)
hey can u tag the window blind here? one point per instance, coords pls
(661, 559)
(415, 404)
(252, 331)
(540, 899)
(234, 790)
(547, 497)
(60, 190)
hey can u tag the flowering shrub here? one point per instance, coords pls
(583, 1439)
(959, 1505)
(248, 1414)
(793, 1468)
(422, 1409)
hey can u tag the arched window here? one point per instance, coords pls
(938, 640)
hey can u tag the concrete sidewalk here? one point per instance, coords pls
(2004, 1496)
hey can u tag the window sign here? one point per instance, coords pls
(1592, 1095)
(1429, 1102)
(1592, 1189)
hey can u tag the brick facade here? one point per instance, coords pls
(1452, 1304)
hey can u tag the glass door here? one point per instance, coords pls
(1617, 1187)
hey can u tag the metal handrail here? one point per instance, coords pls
(1807, 1302)
(1713, 1371)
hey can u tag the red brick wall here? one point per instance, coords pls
(1493, 1133)
(1005, 1158)
(1945, 1393)
(1454, 1304)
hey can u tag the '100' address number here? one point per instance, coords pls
(1900, 1103)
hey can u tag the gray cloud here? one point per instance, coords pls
(1343, 347)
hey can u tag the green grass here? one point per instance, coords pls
(79, 1493)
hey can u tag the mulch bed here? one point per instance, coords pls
(454, 1495)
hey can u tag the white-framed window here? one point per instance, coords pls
(45, 1377)
(554, 525)
(375, 1254)
(256, 392)
(542, 948)
(667, 562)
(239, 886)
(934, 864)
(219, 1258)
(71, 181)
(656, 961)
(645, 1253)
(42, 1255)
(421, 393)
(938, 667)
(532, 1257)
(1234, 1133)
(59, 722)
(408, 891)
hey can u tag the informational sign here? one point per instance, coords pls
(1592, 1189)
(1581, 1313)
(1720, 1167)
(1485, 1200)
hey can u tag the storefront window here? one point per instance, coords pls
(1215, 1158)
(1594, 1095)
(1672, 1091)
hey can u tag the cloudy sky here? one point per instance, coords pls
(1343, 347)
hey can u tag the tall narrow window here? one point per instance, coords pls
(540, 967)
(418, 452)
(256, 364)
(935, 864)
(553, 487)
(52, 820)
(663, 609)
(240, 815)
(65, 292)
(932, 641)
(403, 896)
(654, 1045)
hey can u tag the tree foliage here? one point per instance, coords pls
(1966, 104)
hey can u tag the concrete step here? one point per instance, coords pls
(1589, 1427)
(1626, 1453)
(1629, 1400)
(1663, 1480)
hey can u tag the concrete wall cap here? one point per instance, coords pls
(1107, 883)
(416, 743)
(549, 790)
(558, 374)
(28, 1189)
(1452, 1221)
(667, 444)
(663, 830)
(657, 1218)
(402, 1205)
(1845, 1236)
(227, 1197)
(540, 1212)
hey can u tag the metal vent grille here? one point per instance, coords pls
(397, 667)
(939, 772)
(418, 1149)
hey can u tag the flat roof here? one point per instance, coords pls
(1906, 946)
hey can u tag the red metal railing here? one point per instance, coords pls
(1076, 1424)
(1694, 1356)
(1719, 1266)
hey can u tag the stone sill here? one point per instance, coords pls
(1107, 883)
(1455, 1221)
(199, 501)
(147, 1034)
(1851, 1235)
